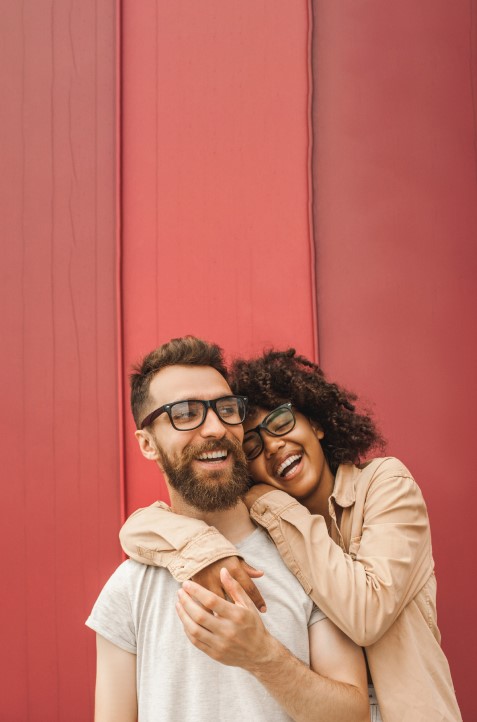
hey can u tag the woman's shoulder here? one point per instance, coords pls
(384, 466)
(387, 478)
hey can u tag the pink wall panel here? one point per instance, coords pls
(215, 182)
(395, 168)
(60, 491)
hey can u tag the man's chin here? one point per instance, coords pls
(210, 477)
(208, 489)
(215, 491)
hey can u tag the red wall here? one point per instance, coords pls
(59, 422)
(220, 173)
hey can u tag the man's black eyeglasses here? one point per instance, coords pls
(190, 414)
(278, 422)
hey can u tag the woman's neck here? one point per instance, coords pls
(317, 502)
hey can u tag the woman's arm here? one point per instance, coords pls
(363, 591)
(188, 548)
(158, 537)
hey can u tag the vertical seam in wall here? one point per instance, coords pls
(52, 258)
(472, 79)
(28, 676)
(119, 289)
(310, 186)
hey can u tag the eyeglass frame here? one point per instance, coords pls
(206, 405)
(263, 425)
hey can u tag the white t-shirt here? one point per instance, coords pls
(177, 682)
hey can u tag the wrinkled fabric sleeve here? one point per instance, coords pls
(363, 591)
(156, 536)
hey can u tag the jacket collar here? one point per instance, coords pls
(344, 491)
(347, 478)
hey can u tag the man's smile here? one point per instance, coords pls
(213, 455)
(219, 458)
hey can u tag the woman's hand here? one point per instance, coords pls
(255, 492)
(243, 573)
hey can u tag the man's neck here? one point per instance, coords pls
(235, 523)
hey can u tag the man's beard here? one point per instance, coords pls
(208, 490)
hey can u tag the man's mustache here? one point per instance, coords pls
(231, 446)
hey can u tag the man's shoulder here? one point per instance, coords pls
(127, 569)
(131, 575)
(132, 584)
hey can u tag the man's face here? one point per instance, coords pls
(206, 465)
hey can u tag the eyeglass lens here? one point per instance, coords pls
(187, 415)
(278, 423)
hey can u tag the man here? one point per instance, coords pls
(170, 653)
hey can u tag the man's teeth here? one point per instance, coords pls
(285, 464)
(208, 455)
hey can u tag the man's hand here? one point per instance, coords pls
(229, 632)
(255, 492)
(239, 570)
(334, 689)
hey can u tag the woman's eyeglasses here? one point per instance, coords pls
(278, 422)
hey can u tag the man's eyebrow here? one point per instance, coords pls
(213, 397)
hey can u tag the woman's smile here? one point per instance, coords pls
(288, 466)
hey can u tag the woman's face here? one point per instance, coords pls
(295, 462)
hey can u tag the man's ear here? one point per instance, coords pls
(147, 445)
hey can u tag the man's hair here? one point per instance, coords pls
(185, 351)
(281, 376)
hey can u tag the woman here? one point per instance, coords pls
(355, 535)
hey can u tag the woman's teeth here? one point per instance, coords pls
(285, 465)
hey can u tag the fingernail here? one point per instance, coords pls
(263, 608)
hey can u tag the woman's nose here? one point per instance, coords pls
(272, 444)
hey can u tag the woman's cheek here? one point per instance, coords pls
(257, 471)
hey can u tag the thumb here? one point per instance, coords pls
(235, 590)
(251, 571)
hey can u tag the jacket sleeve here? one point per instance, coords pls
(158, 537)
(363, 590)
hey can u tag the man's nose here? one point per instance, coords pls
(212, 425)
(272, 444)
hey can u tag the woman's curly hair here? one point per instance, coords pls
(281, 376)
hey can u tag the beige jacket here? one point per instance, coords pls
(373, 575)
